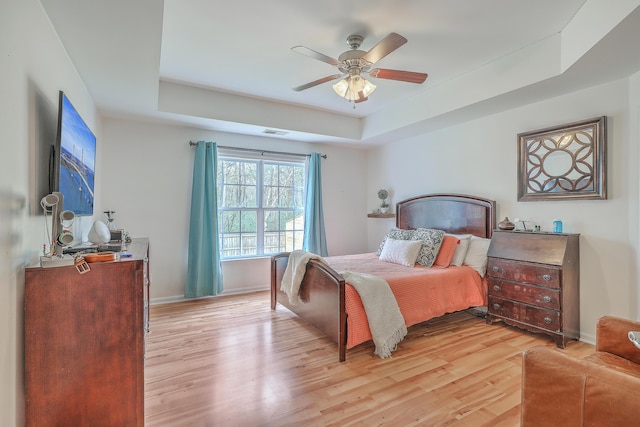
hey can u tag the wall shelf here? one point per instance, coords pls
(389, 215)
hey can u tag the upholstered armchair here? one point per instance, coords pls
(602, 389)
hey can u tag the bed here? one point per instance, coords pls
(327, 302)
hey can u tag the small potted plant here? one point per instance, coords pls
(383, 195)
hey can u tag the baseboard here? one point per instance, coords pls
(167, 300)
(181, 298)
(588, 338)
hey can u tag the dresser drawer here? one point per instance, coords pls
(518, 271)
(529, 294)
(524, 313)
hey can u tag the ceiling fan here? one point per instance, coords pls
(354, 63)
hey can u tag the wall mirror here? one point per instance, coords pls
(563, 162)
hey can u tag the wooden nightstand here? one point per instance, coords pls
(534, 282)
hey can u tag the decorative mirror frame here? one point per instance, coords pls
(577, 152)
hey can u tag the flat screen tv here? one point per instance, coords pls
(75, 156)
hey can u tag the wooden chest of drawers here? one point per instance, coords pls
(534, 282)
(84, 342)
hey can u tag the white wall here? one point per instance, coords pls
(634, 137)
(148, 170)
(33, 67)
(480, 158)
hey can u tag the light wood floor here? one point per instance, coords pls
(232, 361)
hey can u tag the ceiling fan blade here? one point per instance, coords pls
(318, 82)
(316, 55)
(384, 47)
(403, 76)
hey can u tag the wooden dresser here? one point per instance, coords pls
(534, 282)
(84, 342)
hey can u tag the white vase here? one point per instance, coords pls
(384, 210)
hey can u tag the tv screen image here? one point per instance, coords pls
(76, 161)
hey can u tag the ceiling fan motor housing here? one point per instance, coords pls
(353, 59)
(354, 41)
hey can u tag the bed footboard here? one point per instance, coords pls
(322, 298)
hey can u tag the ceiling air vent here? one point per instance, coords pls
(274, 132)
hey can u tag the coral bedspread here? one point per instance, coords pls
(422, 293)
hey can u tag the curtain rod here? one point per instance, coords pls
(255, 150)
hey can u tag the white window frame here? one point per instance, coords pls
(296, 233)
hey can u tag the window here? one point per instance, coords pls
(260, 206)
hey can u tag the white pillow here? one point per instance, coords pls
(461, 249)
(476, 256)
(395, 233)
(402, 252)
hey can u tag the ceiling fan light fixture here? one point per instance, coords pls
(353, 88)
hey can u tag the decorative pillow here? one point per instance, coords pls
(461, 249)
(448, 248)
(402, 252)
(476, 256)
(431, 242)
(395, 233)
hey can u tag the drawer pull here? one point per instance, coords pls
(496, 306)
(546, 277)
(547, 320)
(496, 268)
(496, 288)
(546, 298)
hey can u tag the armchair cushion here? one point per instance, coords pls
(599, 390)
(560, 390)
(613, 361)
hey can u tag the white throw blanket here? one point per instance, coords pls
(385, 319)
(293, 274)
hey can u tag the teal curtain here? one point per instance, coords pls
(314, 240)
(204, 271)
